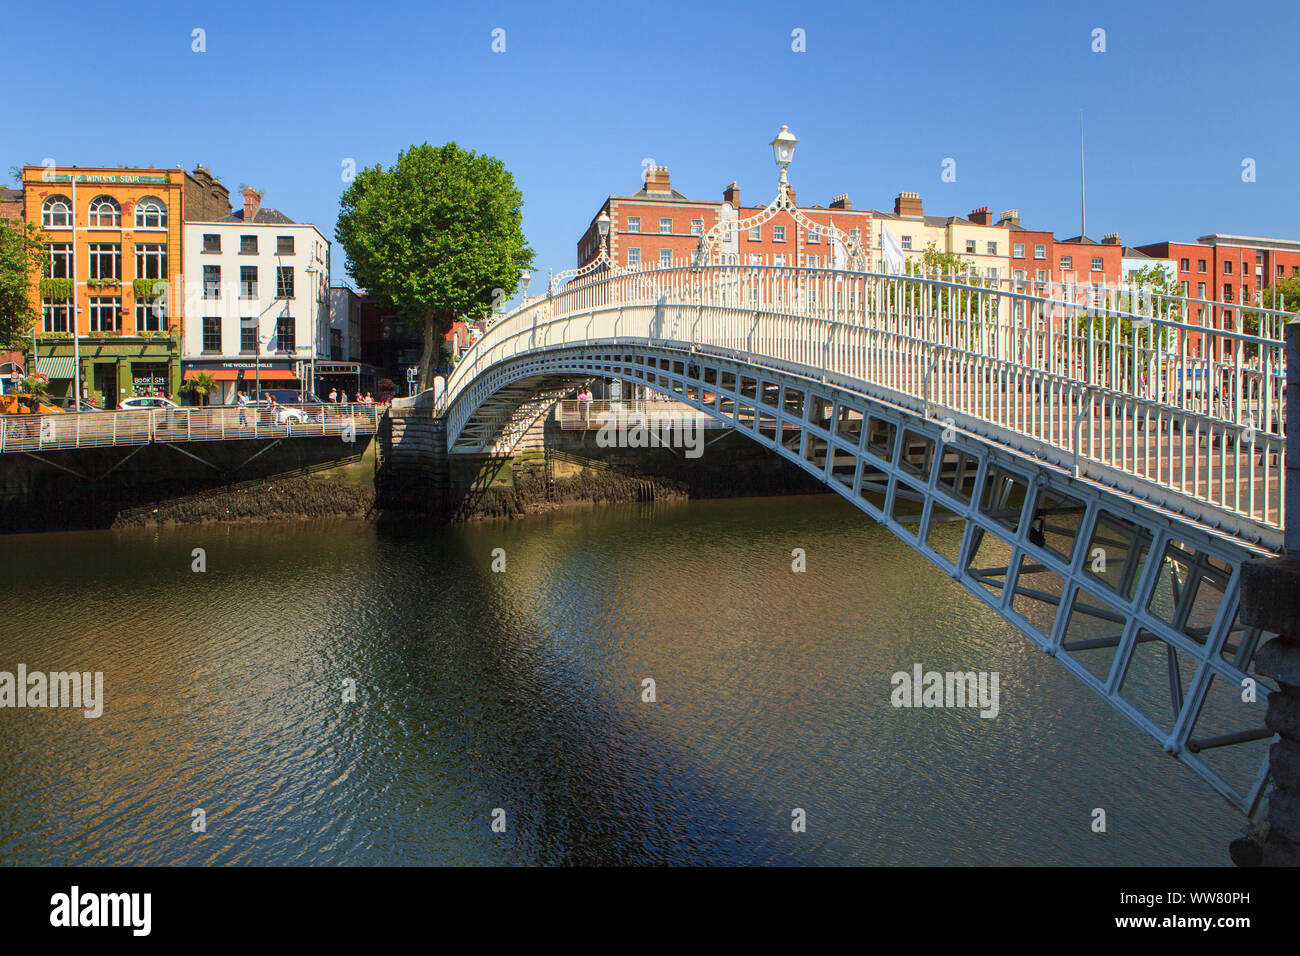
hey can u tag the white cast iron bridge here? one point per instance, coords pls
(1109, 467)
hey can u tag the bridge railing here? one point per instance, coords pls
(35, 433)
(601, 411)
(1142, 391)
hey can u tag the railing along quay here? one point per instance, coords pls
(33, 433)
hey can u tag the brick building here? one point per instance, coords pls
(1228, 271)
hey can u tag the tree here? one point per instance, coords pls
(438, 235)
(22, 247)
(1283, 295)
(202, 385)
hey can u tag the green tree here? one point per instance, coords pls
(1283, 296)
(438, 235)
(202, 385)
(21, 248)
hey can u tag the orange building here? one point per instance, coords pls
(113, 250)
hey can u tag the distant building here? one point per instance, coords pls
(257, 289)
(11, 203)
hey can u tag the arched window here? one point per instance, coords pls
(104, 211)
(150, 213)
(56, 212)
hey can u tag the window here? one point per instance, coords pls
(906, 242)
(1185, 287)
(336, 344)
(697, 227)
(1279, 272)
(1227, 267)
(248, 282)
(57, 314)
(248, 336)
(755, 233)
(1098, 265)
(633, 223)
(993, 248)
(212, 333)
(105, 260)
(778, 260)
(1041, 275)
(778, 233)
(60, 260)
(1200, 290)
(1018, 250)
(56, 212)
(284, 245)
(284, 341)
(1067, 263)
(149, 316)
(284, 282)
(211, 242)
(993, 272)
(666, 226)
(970, 246)
(1227, 292)
(150, 213)
(1185, 265)
(1200, 265)
(814, 238)
(665, 257)
(105, 213)
(211, 282)
(1020, 275)
(150, 260)
(104, 313)
(248, 245)
(755, 260)
(634, 257)
(855, 234)
(1040, 251)
(814, 262)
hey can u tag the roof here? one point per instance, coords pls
(9, 195)
(671, 196)
(1131, 253)
(928, 220)
(264, 215)
(1083, 241)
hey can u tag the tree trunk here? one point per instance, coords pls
(436, 324)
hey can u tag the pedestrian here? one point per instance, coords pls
(343, 397)
(584, 404)
(334, 394)
(242, 401)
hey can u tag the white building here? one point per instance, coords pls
(257, 309)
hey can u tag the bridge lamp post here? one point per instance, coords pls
(525, 277)
(783, 152)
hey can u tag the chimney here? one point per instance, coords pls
(656, 180)
(842, 201)
(732, 195)
(981, 216)
(908, 205)
(1110, 239)
(1009, 217)
(252, 202)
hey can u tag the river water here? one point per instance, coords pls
(517, 695)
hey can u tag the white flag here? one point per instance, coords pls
(891, 251)
(839, 255)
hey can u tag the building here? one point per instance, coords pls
(976, 239)
(258, 300)
(657, 226)
(206, 198)
(115, 247)
(11, 203)
(345, 367)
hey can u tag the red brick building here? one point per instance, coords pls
(1230, 270)
(658, 226)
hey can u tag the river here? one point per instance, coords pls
(516, 695)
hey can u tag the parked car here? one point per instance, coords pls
(18, 403)
(65, 402)
(146, 402)
(282, 415)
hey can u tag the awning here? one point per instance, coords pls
(218, 374)
(270, 375)
(59, 366)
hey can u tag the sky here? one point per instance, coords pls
(286, 95)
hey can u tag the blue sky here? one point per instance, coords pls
(286, 92)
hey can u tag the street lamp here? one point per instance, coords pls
(783, 149)
(525, 277)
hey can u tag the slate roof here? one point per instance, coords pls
(265, 215)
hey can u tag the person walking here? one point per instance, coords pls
(584, 404)
(343, 397)
(334, 394)
(242, 401)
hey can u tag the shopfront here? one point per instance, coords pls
(113, 368)
(249, 377)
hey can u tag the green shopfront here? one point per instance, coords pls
(113, 368)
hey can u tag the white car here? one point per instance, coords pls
(138, 403)
(283, 414)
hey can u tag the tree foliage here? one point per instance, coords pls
(438, 235)
(21, 249)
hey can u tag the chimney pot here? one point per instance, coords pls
(908, 205)
(981, 216)
(842, 201)
(1110, 239)
(1009, 215)
(252, 202)
(656, 180)
(732, 195)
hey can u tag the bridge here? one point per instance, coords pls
(1106, 513)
